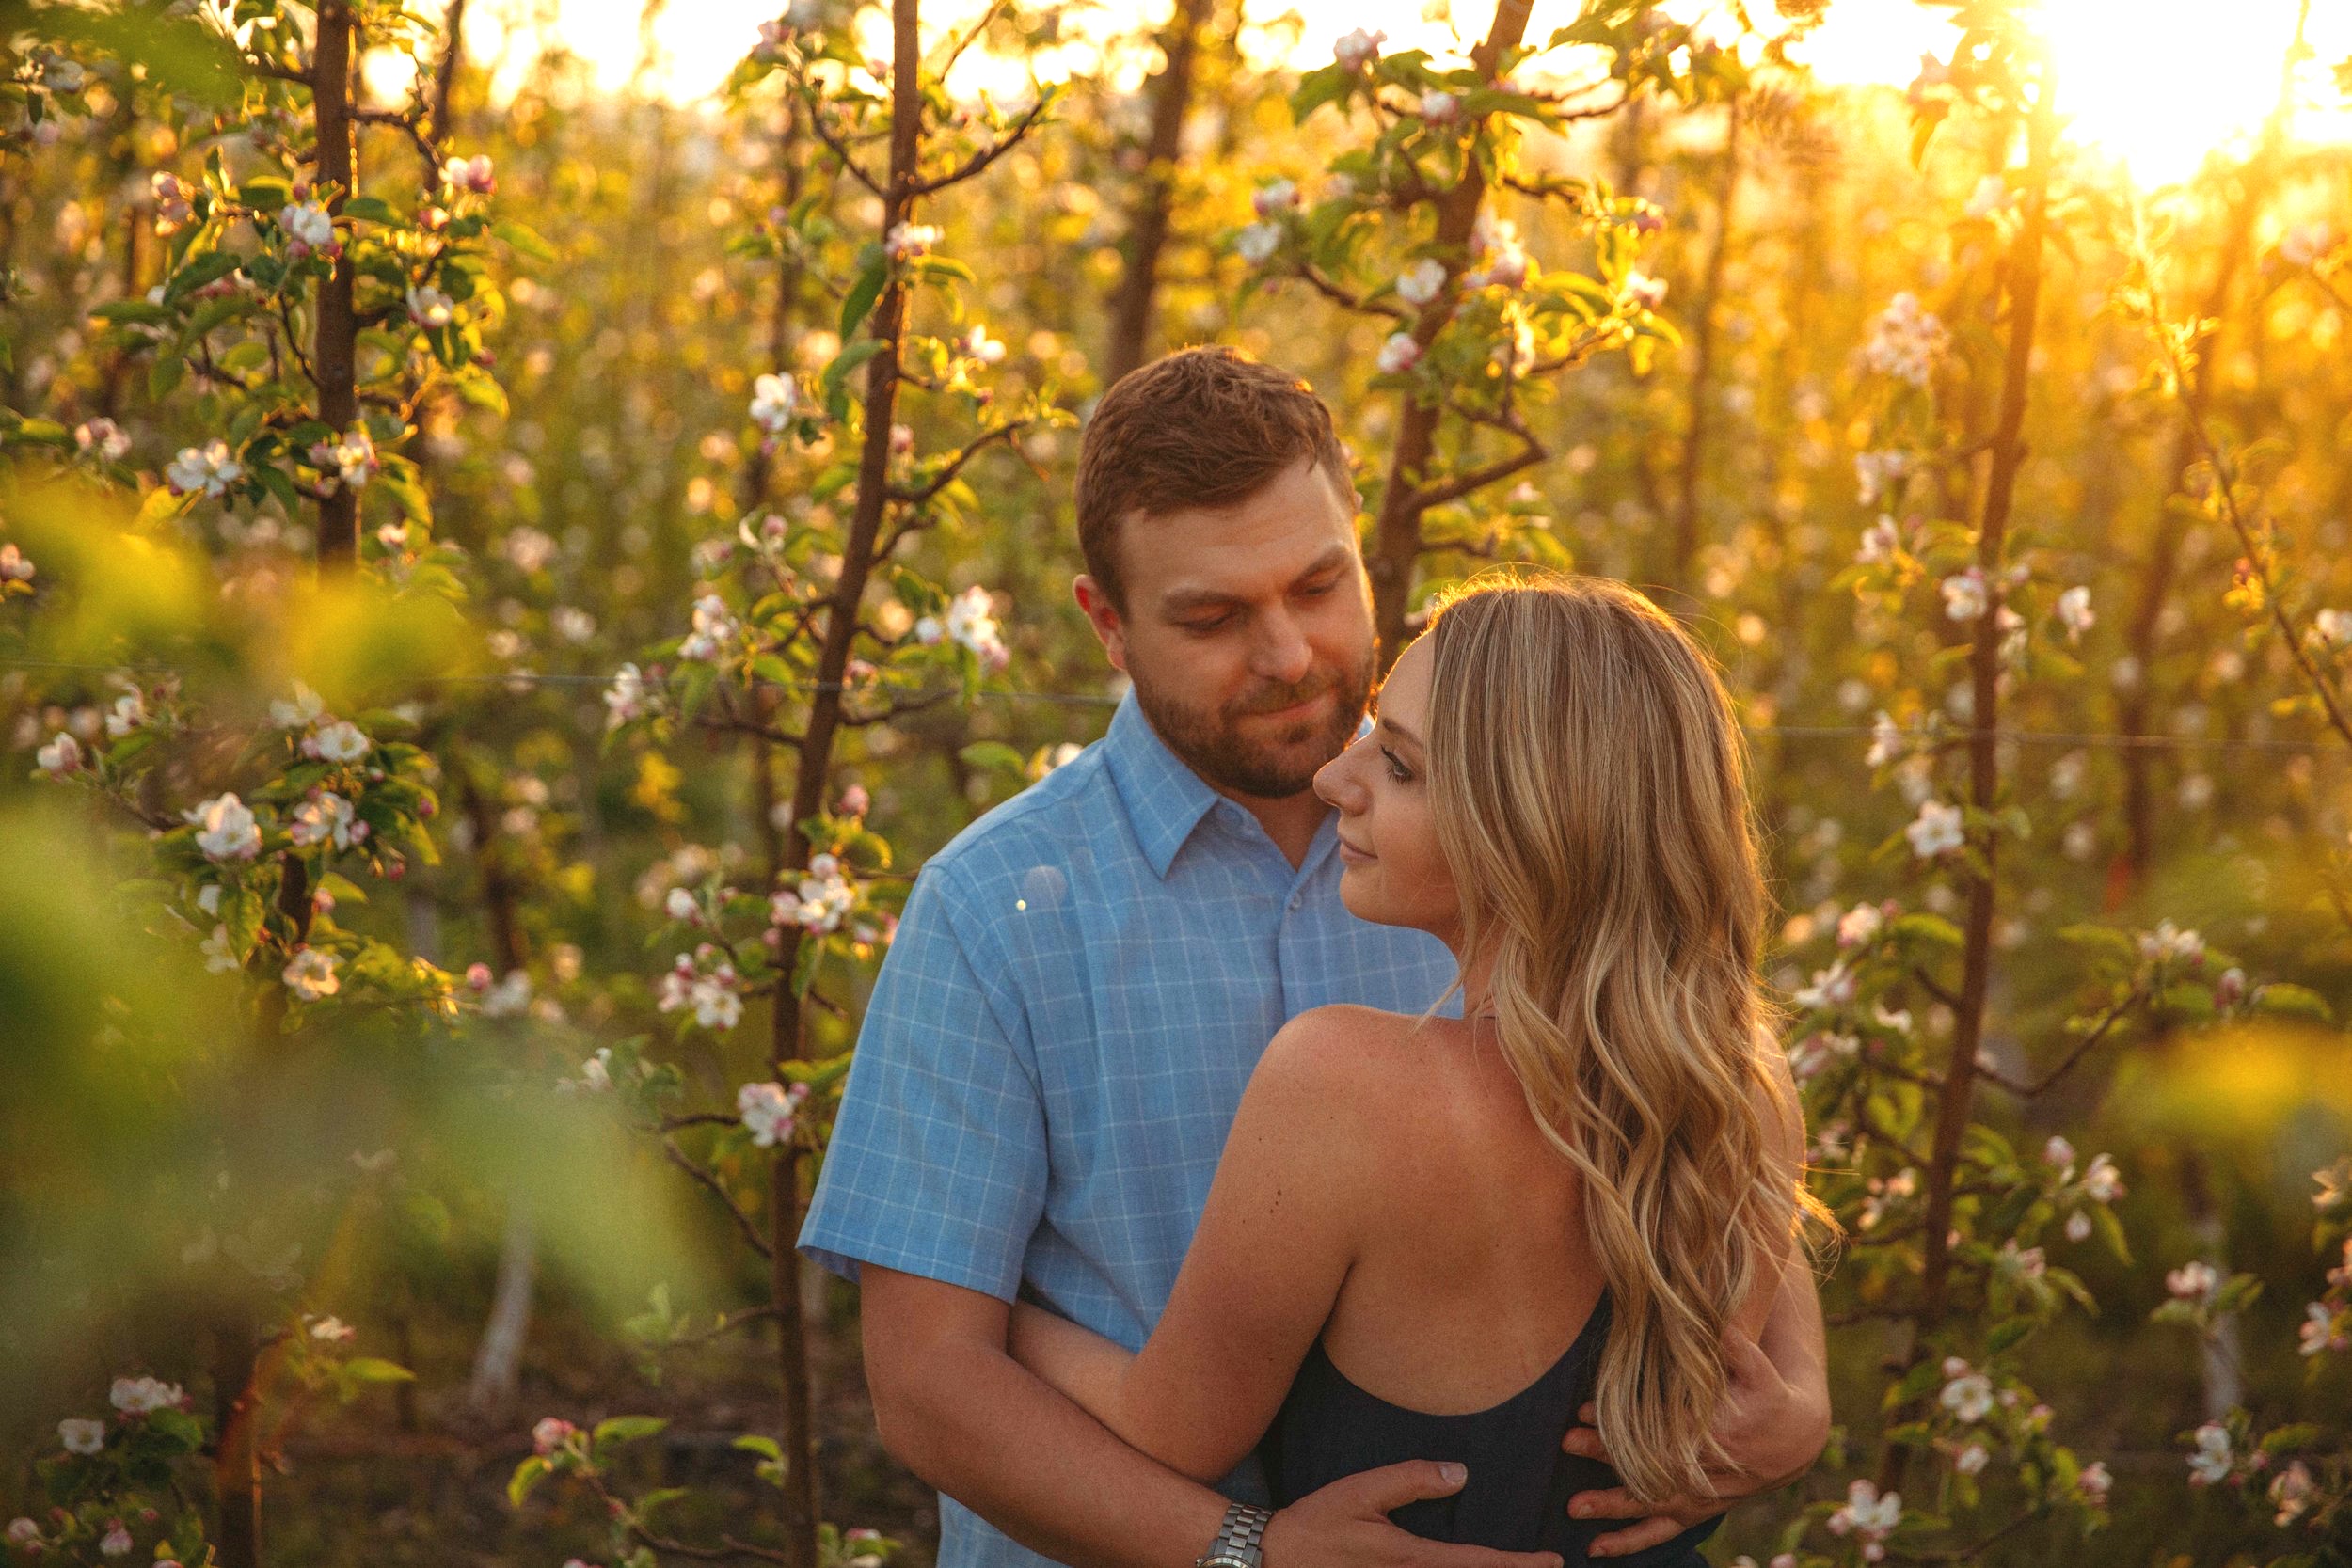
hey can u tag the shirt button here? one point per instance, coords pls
(1297, 899)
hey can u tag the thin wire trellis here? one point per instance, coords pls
(2111, 739)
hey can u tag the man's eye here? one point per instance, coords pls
(1316, 590)
(1214, 624)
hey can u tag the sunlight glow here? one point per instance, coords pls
(2155, 84)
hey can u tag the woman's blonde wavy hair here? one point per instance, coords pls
(1589, 780)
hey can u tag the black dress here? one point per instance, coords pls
(1521, 1479)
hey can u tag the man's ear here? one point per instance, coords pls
(1110, 629)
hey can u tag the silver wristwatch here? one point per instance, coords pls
(1238, 1540)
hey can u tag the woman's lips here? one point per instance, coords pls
(1354, 856)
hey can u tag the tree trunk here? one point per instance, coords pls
(1396, 535)
(498, 1358)
(334, 353)
(1956, 1094)
(1147, 231)
(236, 1460)
(445, 72)
(1688, 533)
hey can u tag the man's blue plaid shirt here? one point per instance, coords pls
(1058, 1043)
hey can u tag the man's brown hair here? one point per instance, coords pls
(1201, 427)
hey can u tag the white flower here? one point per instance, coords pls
(341, 741)
(2306, 242)
(2334, 628)
(473, 174)
(219, 956)
(1358, 48)
(2167, 943)
(311, 973)
(712, 996)
(2291, 1493)
(2094, 1482)
(1831, 987)
(1968, 1397)
(1398, 354)
(1880, 543)
(430, 309)
(1886, 740)
(907, 241)
(225, 829)
(80, 1436)
(304, 710)
(1905, 341)
(333, 1330)
(1645, 291)
(511, 995)
(1966, 595)
(208, 469)
(680, 905)
(766, 1110)
(596, 1074)
(978, 345)
(117, 1540)
(928, 631)
(713, 630)
(15, 565)
(1990, 196)
(61, 756)
(2102, 1182)
(349, 458)
(772, 401)
(1439, 107)
(2213, 1459)
(2074, 613)
(625, 698)
(307, 223)
(822, 901)
(1859, 925)
(138, 1396)
(328, 817)
(2079, 1226)
(1937, 828)
(1258, 241)
(972, 621)
(104, 437)
(2193, 1281)
(23, 1532)
(1869, 1515)
(1875, 473)
(2059, 1152)
(129, 713)
(1418, 283)
(1275, 195)
(1970, 1460)
(550, 1433)
(2317, 1331)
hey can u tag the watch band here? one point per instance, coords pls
(1240, 1538)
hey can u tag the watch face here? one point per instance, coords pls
(1228, 1560)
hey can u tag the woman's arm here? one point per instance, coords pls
(1275, 1240)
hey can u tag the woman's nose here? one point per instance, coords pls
(1335, 782)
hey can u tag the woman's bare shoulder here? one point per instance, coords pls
(1372, 1061)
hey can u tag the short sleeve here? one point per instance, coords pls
(938, 1162)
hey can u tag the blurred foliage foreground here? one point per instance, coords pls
(495, 600)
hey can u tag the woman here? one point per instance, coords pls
(1432, 1238)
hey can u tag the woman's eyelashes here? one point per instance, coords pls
(1397, 770)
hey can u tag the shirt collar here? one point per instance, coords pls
(1165, 798)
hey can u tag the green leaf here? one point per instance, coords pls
(866, 289)
(995, 754)
(525, 239)
(626, 1428)
(529, 1473)
(2293, 1002)
(208, 268)
(374, 1369)
(370, 209)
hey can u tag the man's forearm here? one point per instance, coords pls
(999, 1440)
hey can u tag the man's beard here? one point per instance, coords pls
(1212, 743)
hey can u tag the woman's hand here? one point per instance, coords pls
(1773, 1426)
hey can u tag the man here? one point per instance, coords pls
(1083, 979)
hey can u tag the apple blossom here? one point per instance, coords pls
(855, 801)
(550, 1434)
(2193, 1281)
(226, 829)
(220, 955)
(59, 757)
(81, 1435)
(2059, 1152)
(475, 174)
(307, 223)
(1966, 595)
(128, 714)
(1645, 291)
(311, 973)
(1880, 543)
(596, 1074)
(773, 397)
(1833, 987)
(2291, 1493)
(1439, 107)
(2318, 1331)
(1275, 195)
(768, 1109)
(2101, 1182)
(22, 1531)
(1969, 1461)
(2334, 628)
(1418, 283)
(1398, 354)
(1258, 241)
(2074, 613)
(210, 468)
(680, 905)
(1968, 1397)
(171, 202)
(2212, 1460)
(117, 1540)
(103, 436)
(511, 995)
(1869, 1516)
(430, 309)
(1860, 925)
(1876, 473)
(2093, 1481)
(1886, 740)
(139, 1396)
(971, 621)
(346, 459)
(1905, 341)
(625, 698)
(2169, 943)
(1937, 830)
(978, 345)
(1357, 48)
(713, 630)
(327, 818)
(907, 241)
(339, 741)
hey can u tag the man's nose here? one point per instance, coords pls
(1281, 651)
